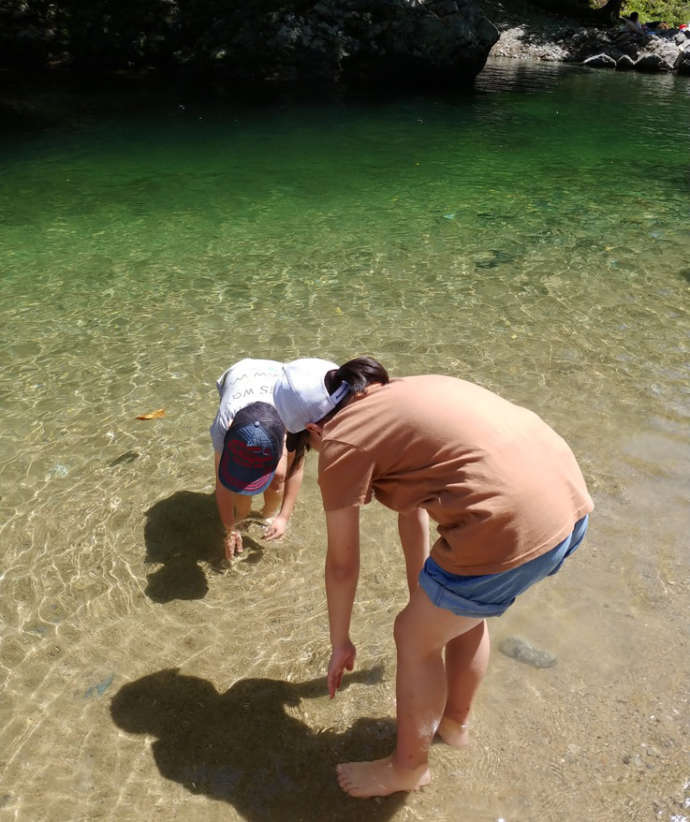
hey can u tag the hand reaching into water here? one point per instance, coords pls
(233, 544)
(342, 658)
(275, 529)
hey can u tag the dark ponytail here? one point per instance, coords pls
(358, 374)
(299, 443)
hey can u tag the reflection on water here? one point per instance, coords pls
(530, 235)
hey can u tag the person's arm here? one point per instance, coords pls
(341, 573)
(226, 511)
(413, 528)
(292, 485)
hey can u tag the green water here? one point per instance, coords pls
(531, 235)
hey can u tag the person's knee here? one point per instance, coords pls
(400, 628)
(277, 485)
(406, 636)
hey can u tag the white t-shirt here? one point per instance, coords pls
(244, 382)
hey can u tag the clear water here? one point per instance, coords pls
(531, 235)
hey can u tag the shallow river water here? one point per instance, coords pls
(530, 235)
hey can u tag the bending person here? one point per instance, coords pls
(510, 503)
(250, 455)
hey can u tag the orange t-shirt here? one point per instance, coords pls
(502, 486)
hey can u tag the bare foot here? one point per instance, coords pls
(454, 733)
(268, 512)
(379, 778)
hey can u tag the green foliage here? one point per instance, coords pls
(673, 12)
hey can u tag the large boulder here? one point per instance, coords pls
(683, 64)
(369, 41)
(561, 40)
(648, 52)
(600, 61)
(664, 49)
(650, 63)
(446, 38)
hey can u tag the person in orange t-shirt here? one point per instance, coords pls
(510, 503)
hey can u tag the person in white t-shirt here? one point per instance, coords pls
(632, 23)
(250, 454)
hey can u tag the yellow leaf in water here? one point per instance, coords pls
(338, 309)
(153, 415)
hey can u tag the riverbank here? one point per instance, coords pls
(526, 33)
(528, 235)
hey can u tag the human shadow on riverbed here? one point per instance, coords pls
(182, 531)
(244, 748)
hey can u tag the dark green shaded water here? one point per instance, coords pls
(531, 235)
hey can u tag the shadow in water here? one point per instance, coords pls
(181, 532)
(244, 748)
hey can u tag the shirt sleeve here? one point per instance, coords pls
(345, 475)
(217, 431)
(219, 426)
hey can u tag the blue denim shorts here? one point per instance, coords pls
(491, 594)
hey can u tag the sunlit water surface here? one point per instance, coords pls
(530, 235)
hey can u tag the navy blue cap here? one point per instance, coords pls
(252, 449)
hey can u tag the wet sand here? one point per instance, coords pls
(184, 688)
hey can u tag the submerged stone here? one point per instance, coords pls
(524, 651)
(128, 456)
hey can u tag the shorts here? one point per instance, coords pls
(491, 594)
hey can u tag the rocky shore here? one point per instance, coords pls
(324, 43)
(529, 35)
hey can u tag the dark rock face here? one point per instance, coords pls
(259, 41)
(651, 63)
(447, 41)
(683, 65)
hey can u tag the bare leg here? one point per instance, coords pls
(272, 500)
(421, 632)
(241, 505)
(467, 658)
